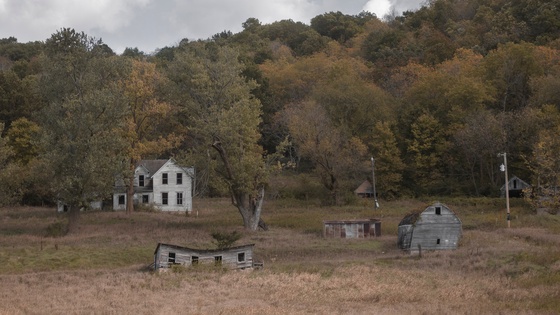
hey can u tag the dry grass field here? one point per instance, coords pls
(102, 269)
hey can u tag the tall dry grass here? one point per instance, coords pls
(102, 268)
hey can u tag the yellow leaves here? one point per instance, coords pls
(295, 80)
(146, 111)
(140, 86)
(21, 137)
(464, 63)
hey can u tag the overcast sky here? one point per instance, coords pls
(152, 24)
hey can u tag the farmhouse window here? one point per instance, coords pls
(164, 198)
(438, 211)
(194, 260)
(218, 260)
(121, 199)
(141, 180)
(145, 198)
(241, 257)
(164, 178)
(179, 178)
(171, 258)
(179, 198)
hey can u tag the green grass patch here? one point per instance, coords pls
(549, 304)
(547, 221)
(20, 260)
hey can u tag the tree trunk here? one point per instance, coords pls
(73, 218)
(334, 190)
(250, 209)
(130, 189)
(130, 196)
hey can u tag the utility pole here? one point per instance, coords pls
(504, 169)
(373, 183)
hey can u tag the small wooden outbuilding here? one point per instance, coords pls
(515, 187)
(365, 190)
(435, 228)
(239, 257)
(352, 228)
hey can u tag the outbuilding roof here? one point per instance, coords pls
(410, 218)
(205, 251)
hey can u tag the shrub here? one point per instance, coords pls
(146, 207)
(225, 240)
(57, 229)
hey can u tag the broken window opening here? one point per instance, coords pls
(218, 260)
(241, 257)
(171, 258)
(438, 210)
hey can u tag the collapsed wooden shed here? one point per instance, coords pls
(435, 228)
(239, 257)
(352, 228)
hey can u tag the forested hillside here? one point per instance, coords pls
(433, 95)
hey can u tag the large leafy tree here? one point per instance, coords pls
(81, 143)
(20, 175)
(546, 167)
(350, 100)
(388, 163)
(146, 114)
(22, 137)
(223, 120)
(339, 26)
(477, 144)
(509, 69)
(17, 96)
(425, 152)
(335, 154)
(6, 181)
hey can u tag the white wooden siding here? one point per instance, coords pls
(154, 188)
(183, 256)
(172, 188)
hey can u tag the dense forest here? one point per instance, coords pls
(432, 95)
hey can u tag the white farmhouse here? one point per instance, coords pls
(162, 183)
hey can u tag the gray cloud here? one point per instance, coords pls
(152, 24)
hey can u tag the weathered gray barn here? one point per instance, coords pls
(435, 228)
(239, 257)
(352, 228)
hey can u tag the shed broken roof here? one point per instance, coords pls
(410, 218)
(203, 250)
